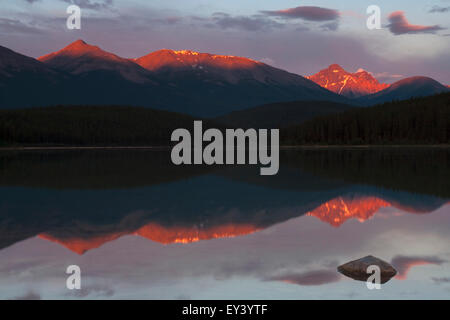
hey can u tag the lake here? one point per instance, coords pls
(140, 227)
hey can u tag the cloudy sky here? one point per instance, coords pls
(299, 36)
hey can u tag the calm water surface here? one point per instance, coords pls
(140, 227)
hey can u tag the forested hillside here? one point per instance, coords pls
(88, 125)
(414, 121)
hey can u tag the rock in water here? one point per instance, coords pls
(357, 269)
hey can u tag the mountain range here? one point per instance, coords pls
(182, 81)
(200, 84)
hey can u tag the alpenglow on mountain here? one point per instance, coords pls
(199, 84)
(351, 85)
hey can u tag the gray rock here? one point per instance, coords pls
(357, 269)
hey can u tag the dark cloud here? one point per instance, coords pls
(441, 280)
(301, 28)
(400, 25)
(438, 9)
(14, 26)
(229, 269)
(94, 290)
(247, 23)
(310, 278)
(173, 20)
(307, 13)
(91, 4)
(30, 295)
(330, 26)
(166, 20)
(404, 263)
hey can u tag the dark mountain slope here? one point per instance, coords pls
(25, 81)
(405, 89)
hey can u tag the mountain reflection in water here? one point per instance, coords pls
(84, 200)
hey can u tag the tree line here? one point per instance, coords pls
(415, 121)
(90, 125)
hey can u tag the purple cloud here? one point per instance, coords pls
(252, 23)
(30, 295)
(438, 9)
(400, 25)
(310, 278)
(91, 4)
(94, 290)
(330, 26)
(441, 280)
(307, 13)
(13, 26)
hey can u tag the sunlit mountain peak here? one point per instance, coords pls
(81, 58)
(352, 85)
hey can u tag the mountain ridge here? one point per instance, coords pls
(195, 83)
(412, 87)
(80, 57)
(215, 86)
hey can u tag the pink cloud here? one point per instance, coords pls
(400, 25)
